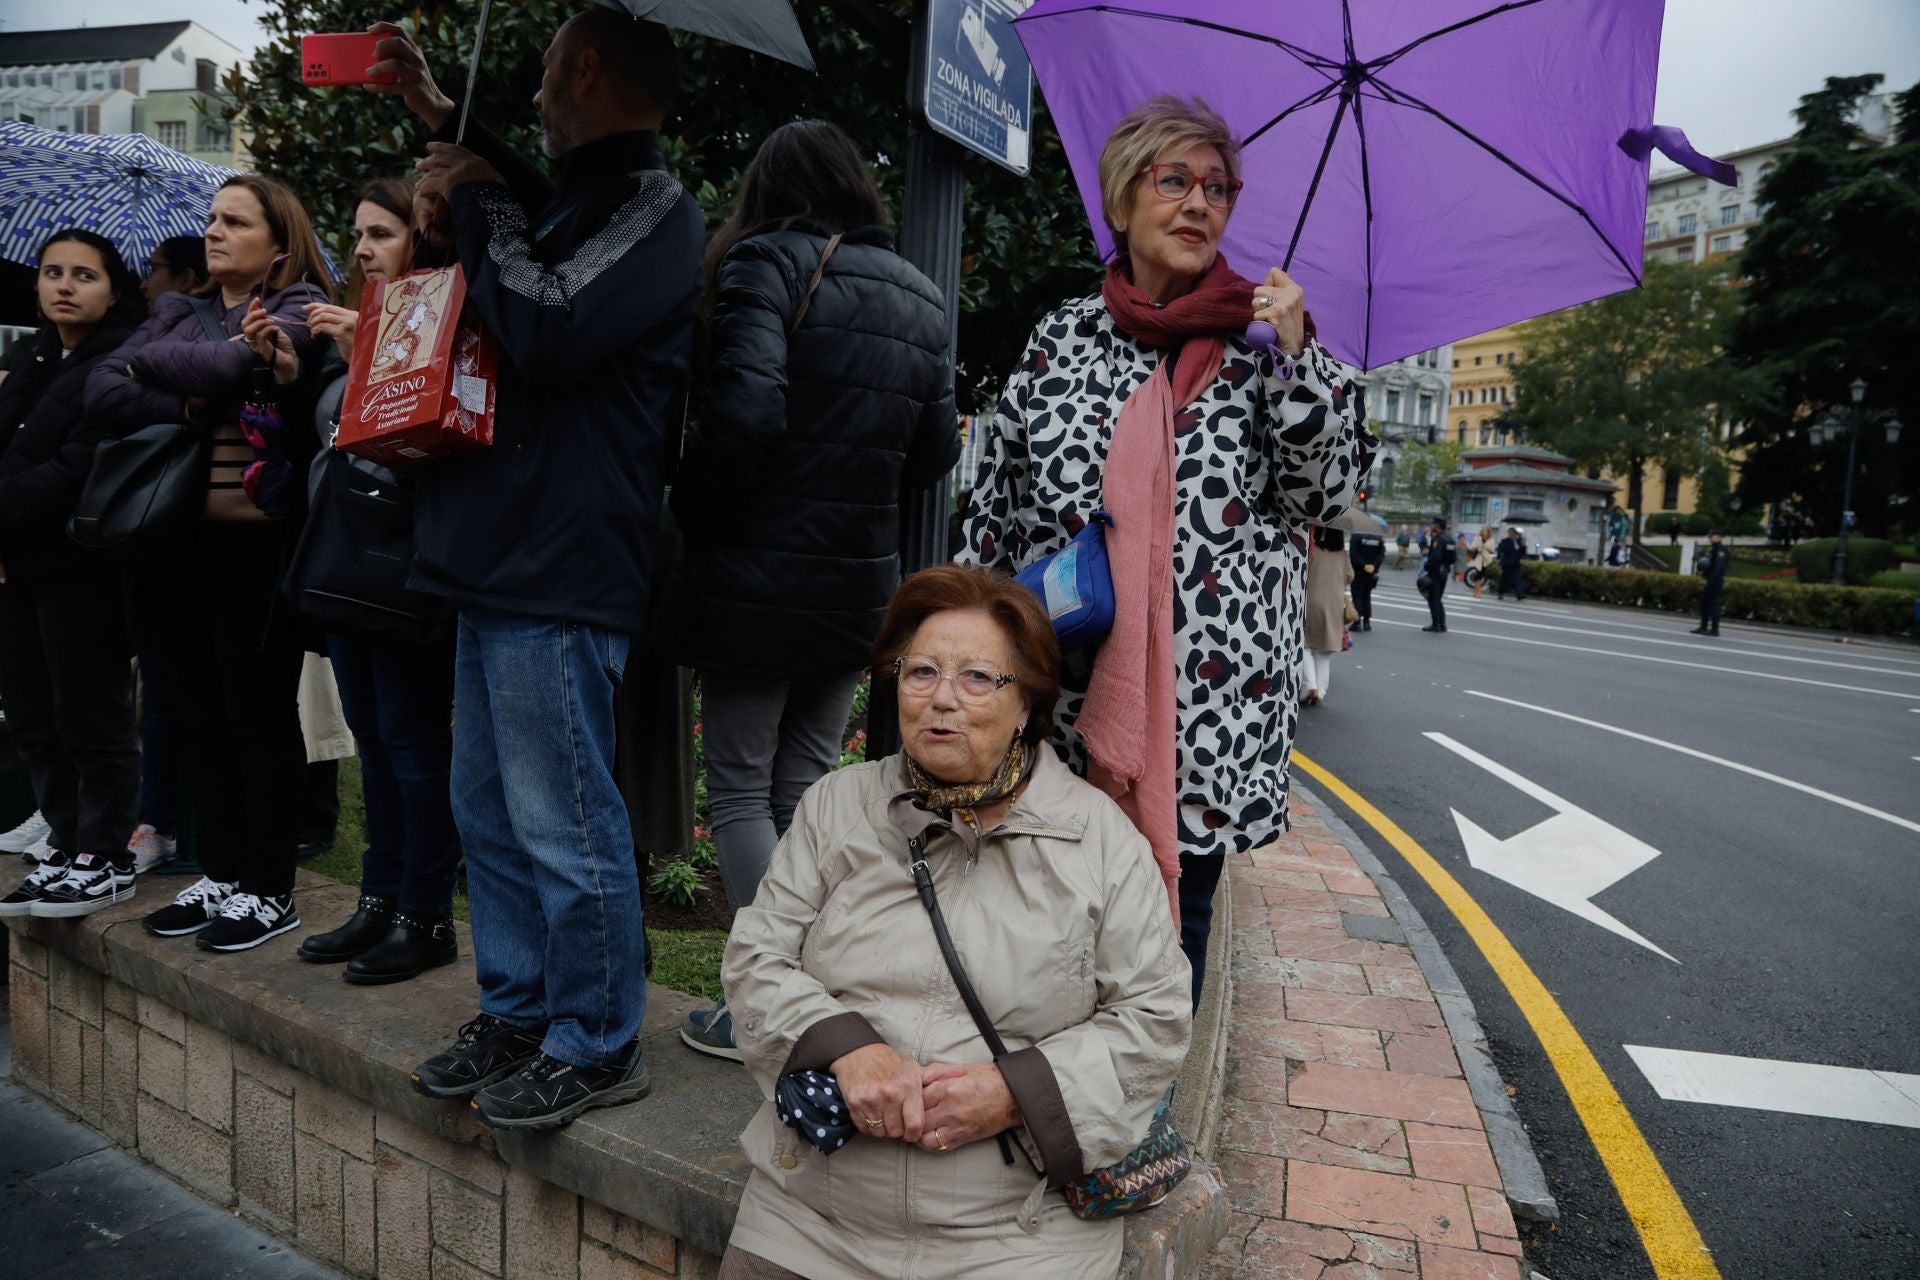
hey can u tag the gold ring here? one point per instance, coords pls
(875, 1124)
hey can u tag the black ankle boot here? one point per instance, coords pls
(369, 924)
(410, 948)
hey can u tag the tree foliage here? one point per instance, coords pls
(1420, 480)
(1025, 244)
(1830, 296)
(1635, 379)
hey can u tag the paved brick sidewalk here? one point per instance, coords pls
(1351, 1146)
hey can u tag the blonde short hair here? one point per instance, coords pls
(1155, 127)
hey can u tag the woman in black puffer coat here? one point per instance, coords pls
(63, 619)
(828, 394)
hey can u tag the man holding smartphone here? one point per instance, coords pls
(590, 282)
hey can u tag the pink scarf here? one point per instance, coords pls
(1127, 721)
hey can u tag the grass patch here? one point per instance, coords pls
(1736, 567)
(684, 960)
(688, 961)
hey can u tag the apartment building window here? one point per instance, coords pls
(1472, 509)
(172, 133)
(1653, 229)
(1670, 491)
(1456, 362)
(1499, 358)
(1393, 405)
(1729, 214)
(1683, 226)
(1723, 244)
(1486, 434)
(1684, 254)
(1426, 410)
(1476, 362)
(1463, 433)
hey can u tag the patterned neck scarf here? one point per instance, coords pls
(943, 798)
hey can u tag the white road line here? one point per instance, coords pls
(1696, 646)
(1766, 1084)
(1735, 765)
(1670, 662)
(1597, 617)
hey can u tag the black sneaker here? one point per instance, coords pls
(193, 909)
(548, 1093)
(91, 884)
(42, 878)
(485, 1050)
(247, 920)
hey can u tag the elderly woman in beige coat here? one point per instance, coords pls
(1061, 922)
(1329, 570)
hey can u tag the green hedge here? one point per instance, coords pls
(1897, 580)
(1865, 557)
(1863, 610)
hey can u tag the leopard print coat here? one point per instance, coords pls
(1256, 459)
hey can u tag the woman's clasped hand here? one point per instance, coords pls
(936, 1108)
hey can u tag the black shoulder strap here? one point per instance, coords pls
(210, 319)
(923, 880)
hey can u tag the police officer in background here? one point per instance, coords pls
(1439, 563)
(1713, 567)
(1367, 552)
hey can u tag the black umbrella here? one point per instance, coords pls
(762, 26)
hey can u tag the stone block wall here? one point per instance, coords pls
(366, 1190)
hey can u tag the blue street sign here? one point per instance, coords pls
(976, 84)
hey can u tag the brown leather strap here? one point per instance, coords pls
(813, 285)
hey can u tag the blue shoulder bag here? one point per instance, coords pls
(1075, 586)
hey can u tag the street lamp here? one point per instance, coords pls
(1828, 430)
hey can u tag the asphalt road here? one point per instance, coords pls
(1791, 919)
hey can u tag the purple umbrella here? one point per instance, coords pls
(1424, 171)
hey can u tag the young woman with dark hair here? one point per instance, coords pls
(239, 361)
(63, 622)
(398, 699)
(828, 393)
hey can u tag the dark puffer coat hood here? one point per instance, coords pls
(806, 439)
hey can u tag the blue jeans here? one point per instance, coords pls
(551, 880)
(399, 704)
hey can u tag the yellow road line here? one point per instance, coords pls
(1673, 1243)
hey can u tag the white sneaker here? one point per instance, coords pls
(150, 849)
(24, 837)
(39, 851)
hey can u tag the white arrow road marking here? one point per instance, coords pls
(1565, 860)
(1764, 1084)
(1855, 805)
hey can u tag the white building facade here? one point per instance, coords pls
(1406, 403)
(162, 79)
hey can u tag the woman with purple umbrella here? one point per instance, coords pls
(1212, 456)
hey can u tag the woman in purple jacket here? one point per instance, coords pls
(237, 360)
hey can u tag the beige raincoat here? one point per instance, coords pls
(1061, 920)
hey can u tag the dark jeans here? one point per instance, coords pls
(1199, 877)
(1437, 587)
(69, 696)
(234, 661)
(399, 704)
(159, 717)
(1710, 606)
(1363, 584)
(1511, 579)
(555, 894)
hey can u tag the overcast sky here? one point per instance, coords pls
(1731, 71)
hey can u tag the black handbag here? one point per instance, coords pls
(349, 570)
(146, 490)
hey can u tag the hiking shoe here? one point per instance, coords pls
(247, 920)
(34, 887)
(710, 1031)
(548, 1093)
(485, 1050)
(192, 909)
(91, 883)
(33, 831)
(150, 849)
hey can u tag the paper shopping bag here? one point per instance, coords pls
(424, 372)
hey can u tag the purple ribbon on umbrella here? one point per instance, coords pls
(1672, 143)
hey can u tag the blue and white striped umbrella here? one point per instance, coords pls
(124, 186)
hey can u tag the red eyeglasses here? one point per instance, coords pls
(1173, 181)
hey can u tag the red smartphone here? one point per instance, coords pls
(339, 59)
